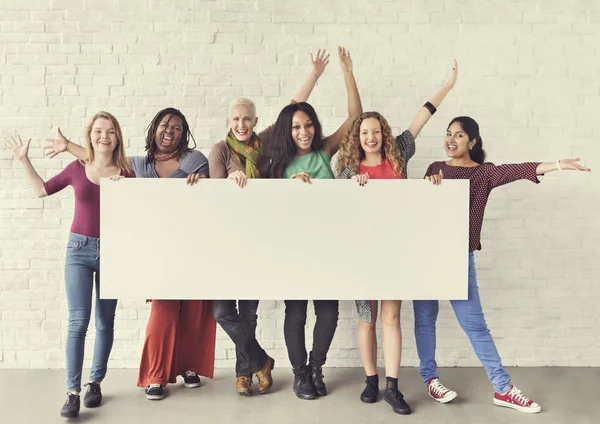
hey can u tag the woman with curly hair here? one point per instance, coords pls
(370, 151)
(299, 150)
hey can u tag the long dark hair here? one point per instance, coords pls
(184, 145)
(282, 149)
(471, 128)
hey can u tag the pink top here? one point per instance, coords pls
(383, 171)
(483, 178)
(86, 220)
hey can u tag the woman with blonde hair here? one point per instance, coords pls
(369, 151)
(106, 157)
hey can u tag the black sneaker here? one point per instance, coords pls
(303, 385)
(93, 396)
(316, 374)
(154, 392)
(371, 392)
(396, 399)
(71, 407)
(191, 379)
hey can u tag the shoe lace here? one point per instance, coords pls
(72, 397)
(93, 387)
(438, 388)
(318, 372)
(151, 386)
(188, 374)
(517, 395)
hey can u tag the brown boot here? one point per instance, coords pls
(265, 381)
(243, 385)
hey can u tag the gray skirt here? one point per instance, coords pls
(363, 308)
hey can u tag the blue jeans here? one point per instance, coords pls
(83, 260)
(471, 319)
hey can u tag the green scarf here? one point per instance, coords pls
(248, 154)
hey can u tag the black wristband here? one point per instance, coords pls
(431, 108)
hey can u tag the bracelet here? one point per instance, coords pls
(558, 165)
(431, 108)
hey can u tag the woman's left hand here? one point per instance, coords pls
(572, 165)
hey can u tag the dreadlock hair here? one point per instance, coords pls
(183, 147)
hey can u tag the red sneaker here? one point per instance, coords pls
(515, 400)
(440, 392)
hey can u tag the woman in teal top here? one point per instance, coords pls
(298, 150)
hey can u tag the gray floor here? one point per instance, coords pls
(567, 396)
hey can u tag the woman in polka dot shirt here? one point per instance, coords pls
(464, 147)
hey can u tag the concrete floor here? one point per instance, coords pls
(567, 396)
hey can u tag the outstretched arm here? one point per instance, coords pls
(354, 104)
(424, 114)
(560, 165)
(20, 152)
(62, 144)
(318, 66)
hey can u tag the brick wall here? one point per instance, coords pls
(529, 75)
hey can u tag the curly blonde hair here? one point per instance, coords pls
(351, 152)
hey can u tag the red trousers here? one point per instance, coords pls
(180, 337)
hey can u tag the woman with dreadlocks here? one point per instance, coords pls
(180, 335)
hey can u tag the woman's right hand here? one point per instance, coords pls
(436, 179)
(56, 145)
(362, 179)
(303, 176)
(239, 177)
(19, 150)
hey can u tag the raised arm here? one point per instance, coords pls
(20, 152)
(354, 105)
(425, 113)
(318, 66)
(62, 144)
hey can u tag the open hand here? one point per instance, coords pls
(56, 145)
(19, 150)
(453, 75)
(345, 59)
(320, 63)
(572, 165)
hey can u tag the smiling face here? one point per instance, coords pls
(303, 132)
(457, 143)
(103, 136)
(371, 136)
(168, 134)
(242, 122)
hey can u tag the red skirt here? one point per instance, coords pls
(180, 337)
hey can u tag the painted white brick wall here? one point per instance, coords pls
(529, 74)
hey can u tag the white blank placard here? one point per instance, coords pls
(284, 239)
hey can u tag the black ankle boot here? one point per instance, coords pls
(396, 399)
(71, 407)
(303, 385)
(316, 375)
(371, 392)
